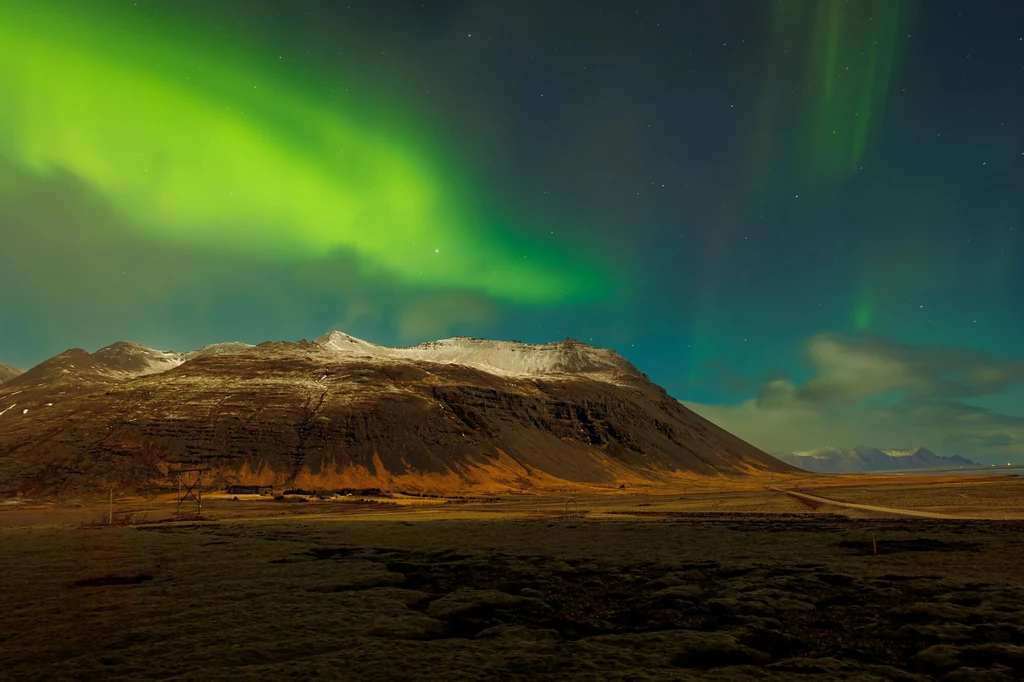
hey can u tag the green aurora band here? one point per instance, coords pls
(847, 52)
(826, 82)
(208, 144)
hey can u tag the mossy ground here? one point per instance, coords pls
(741, 598)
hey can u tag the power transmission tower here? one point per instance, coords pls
(190, 486)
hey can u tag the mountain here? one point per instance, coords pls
(77, 372)
(863, 459)
(7, 372)
(453, 415)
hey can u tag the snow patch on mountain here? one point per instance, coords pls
(907, 452)
(510, 358)
(225, 348)
(78, 370)
(128, 359)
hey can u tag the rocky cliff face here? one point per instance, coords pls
(336, 413)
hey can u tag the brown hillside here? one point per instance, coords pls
(306, 415)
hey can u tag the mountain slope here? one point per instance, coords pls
(460, 414)
(864, 459)
(7, 372)
(507, 358)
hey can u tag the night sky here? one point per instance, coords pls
(803, 218)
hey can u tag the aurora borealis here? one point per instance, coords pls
(215, 148)
(848, 52)
(803, 217)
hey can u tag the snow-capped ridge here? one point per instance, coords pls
(818, 453)
(124, 360)
(864, 458)
(132, 359)
(908, 452)
(120, 360)
(224, 348)
(513, 358)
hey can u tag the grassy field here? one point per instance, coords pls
(994, 497)
(222, 507)
(997, 496)
(758, 587)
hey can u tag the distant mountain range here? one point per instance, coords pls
(7, 372)
(864, 459)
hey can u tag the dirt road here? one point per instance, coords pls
(883, 510)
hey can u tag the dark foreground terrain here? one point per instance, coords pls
(758, 598)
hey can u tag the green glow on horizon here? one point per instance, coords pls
(205, 143)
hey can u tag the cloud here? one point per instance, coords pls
(852, 369)
(871, 390)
